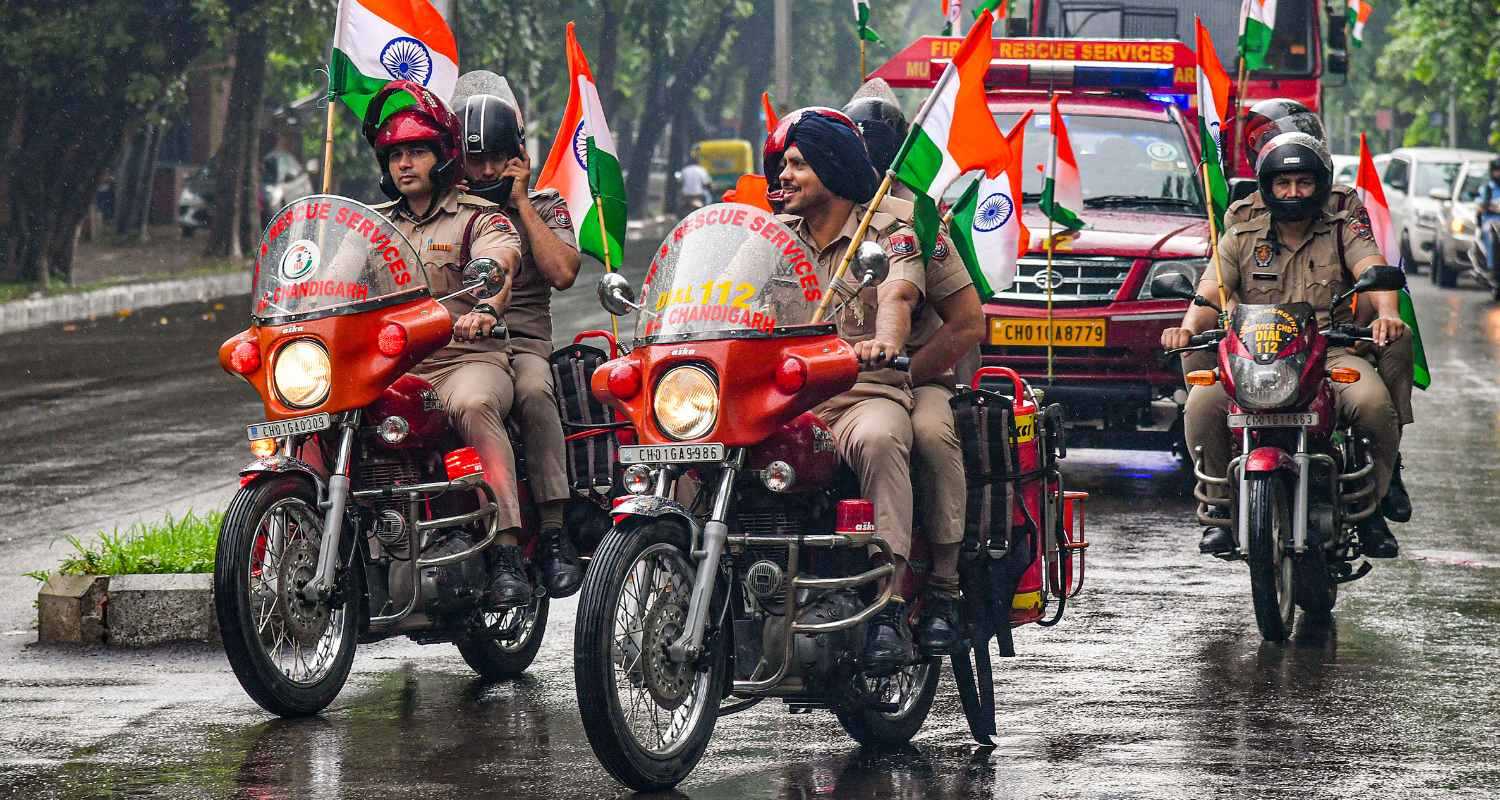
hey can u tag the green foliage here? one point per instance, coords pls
(173, 545)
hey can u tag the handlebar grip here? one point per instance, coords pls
(902, 363)
(498, 331)
(1357, 331)
(1207, 337)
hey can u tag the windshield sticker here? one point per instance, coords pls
(686, 315)
(299, 259)
(1267, 337)
(1161, 151)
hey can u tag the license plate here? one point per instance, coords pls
(671, 453)
(1065, 332)
(289, 427)
(1305, 420)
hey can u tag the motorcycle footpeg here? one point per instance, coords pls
(1363, 570)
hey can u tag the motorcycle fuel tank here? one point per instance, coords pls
(414, 400)
(806, 445)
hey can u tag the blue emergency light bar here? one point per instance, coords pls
(1063, 75)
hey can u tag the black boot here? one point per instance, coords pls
(1217, 541)
(560, 568)
(888, 641)
(509, 587)
(1396, 505)
(937, 630)
(1376, 539)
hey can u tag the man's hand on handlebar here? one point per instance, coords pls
(473, 325)
(1386, 330)
(874, 353)
(1176, 338)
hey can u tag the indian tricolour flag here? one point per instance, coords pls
(862, 20)
(1359, 14)
(1062, 191)
(952, 17)
(1213, 108)
(986, 226)
(378, 41)
(952, 133)
(1367, 186)
(584, 166)
(1257, 20)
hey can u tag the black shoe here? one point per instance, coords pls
(508, 585)
(1217, 541)
(1376, 539)
(1396, 505)
(888, 642)
(561, 571)
(937, 630)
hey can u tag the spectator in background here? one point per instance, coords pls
(695, 189)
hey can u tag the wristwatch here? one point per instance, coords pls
(486, 308)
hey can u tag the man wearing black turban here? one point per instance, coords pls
(826, 178)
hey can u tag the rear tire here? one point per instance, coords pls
(1443, 274)
(503, 657)
(912, 689)
(1272, 580)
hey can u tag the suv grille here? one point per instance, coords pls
(1080, 279)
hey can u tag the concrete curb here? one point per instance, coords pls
(127, 610)
(19, 315)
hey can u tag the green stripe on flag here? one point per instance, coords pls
(356, 89)
(989, 5)
(1218, 189)
(917, 165)
(1059, 214)
(1255, 44)
(607, 185)
(1421, 375)
(961, 231)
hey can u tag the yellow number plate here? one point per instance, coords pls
(1065, 332)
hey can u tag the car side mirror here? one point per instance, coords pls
(485, 277)
(1381, 278)
(615, 294)
(870, 264)
(1172, 286)
(1439, 193)
(1338, 62)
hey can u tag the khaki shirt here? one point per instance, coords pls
(1260, 271)
(438, 238)
(946, 275)
(1342, 198)
(857, 321)
(530, 313)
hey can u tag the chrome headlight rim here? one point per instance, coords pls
(285, 357)
(1255, 395)
(666, 398)
(1193, 268)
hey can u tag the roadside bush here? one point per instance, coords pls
(173, 545)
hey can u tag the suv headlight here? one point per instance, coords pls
(686, 402)
(1427, 219)
(1191, 267)
(303, 375)
(1264, 387)
(1461, 226)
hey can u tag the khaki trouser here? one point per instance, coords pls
(476, 392)
(937, 465)
(541, 427)
(872, 430)
(1365, 405)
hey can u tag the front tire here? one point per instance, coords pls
(1272, 579)
(291, 656)
(911, 690)
(647, 718)
(511, 645)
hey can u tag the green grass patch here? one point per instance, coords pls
(185, 544)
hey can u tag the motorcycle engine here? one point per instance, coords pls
(453, 588)
(814, 657)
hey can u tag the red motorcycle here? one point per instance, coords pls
(363, 516)
(1300, 479)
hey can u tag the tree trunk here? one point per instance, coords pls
(235, 216)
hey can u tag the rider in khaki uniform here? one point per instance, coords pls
(498, 169)
(1292, 255)
(826, 177)
(417, 148)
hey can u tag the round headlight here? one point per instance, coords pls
(686, 403)
(1265, 387)
(303, 375)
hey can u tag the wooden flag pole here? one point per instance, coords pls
(1213, 242)
(1239, 120)
(614, 322)
(859, 236)
(328, 148)
(861, 60)
(1051, 245)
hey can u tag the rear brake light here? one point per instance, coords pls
(392, 340)
(245, 357)
(624, 381)
(791, 376)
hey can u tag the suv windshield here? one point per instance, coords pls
(728, 271)
(325, 255)
(1434, 175)
(1122, 162)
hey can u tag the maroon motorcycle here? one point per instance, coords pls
(1300, 480)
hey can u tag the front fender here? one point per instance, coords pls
(1266, 460)
(656, 507)
(283, 465)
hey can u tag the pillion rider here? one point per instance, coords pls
(418, 151)
(1291, 255)
(498, 169)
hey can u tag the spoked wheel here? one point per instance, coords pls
(647, 717)
(291, 655)
(909, 690)
(1272, 566)
(508, 642)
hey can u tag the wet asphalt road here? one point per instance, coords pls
(1156, 685)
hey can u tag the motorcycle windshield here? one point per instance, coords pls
(728, 271)
(325, 255)
(1267, 330)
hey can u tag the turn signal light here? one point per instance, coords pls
(392, 340)
(1343, 375)
(624, 381)
(1202, 377)
(245, 357)
(262, 448)
(462, 463)
(855, 518)
(791, 376)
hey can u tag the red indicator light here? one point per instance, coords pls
(245, 357)
(392, 340)
(855, 517)
(462, 463)
(791, 376)
(624, 381)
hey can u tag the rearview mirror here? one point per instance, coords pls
(1172, 286)
(870, 264)
(1439, 193)
(1380, 279)
(485, 277)
(615, 294)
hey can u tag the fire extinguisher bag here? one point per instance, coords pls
(984, 423)
(590, 459)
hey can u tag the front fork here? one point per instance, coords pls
(715, 534)
(321, 586)
(1300, 508)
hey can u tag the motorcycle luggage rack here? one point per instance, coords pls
(794, 544)
(488, 510)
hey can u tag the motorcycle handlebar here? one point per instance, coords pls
(1200, 341)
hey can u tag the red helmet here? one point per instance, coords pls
(775, 148)
(428, 119)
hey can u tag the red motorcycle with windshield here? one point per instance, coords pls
(1300, 479)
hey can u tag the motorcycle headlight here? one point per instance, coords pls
(1192, 268)
(686, 402)
(1264, 387)
(303, 375)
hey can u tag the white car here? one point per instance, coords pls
(1345, 169)
(1418, 180)
(1457, 229)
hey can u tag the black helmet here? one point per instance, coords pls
(1494, 164)
(883, 125)
(1295, 152)
(1269, 118)
(491, 126)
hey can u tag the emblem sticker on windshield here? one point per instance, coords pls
(300, 259)
(1161, 151)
